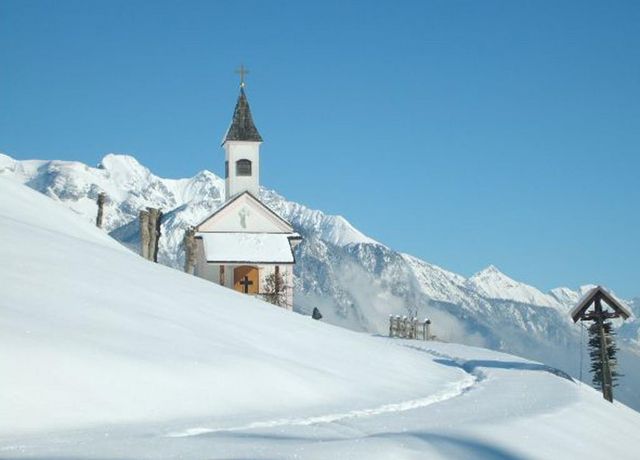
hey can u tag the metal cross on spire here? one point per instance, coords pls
(242, 70)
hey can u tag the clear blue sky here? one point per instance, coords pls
(463, 132)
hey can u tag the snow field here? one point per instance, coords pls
(106, 355)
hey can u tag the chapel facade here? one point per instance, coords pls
(245, 245)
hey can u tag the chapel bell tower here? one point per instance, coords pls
(242, 149)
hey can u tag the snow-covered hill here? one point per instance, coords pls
(107, 355)
(354, 280)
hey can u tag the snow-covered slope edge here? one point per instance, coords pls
(116, 357)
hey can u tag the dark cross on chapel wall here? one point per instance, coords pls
(246, 283)
(242, 70)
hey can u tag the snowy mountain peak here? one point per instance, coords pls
(493, 284)
(120, 161)
(490, 270)
(124, 168)
(205, 175)
(492, 273)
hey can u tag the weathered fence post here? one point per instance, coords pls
(144, 234)
(425, 329)
(155, 215)
(156, 242)
(189, 250)
(390, 325)
(102, 198)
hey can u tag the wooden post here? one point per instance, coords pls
(390, 325)
(189, 250)
(155, 216)
(102, 198)
(156, 241)
(144, 234)
(425, 329)
(607, 387)
(222, 276)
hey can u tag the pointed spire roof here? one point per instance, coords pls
(242, 127)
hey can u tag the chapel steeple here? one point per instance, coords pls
(242, 127)
(242, 148)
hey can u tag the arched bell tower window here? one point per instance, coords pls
(243, 168)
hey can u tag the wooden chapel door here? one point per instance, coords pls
(246, 279)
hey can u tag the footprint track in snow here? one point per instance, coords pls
(455, 389)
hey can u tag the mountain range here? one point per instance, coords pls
(354, 280)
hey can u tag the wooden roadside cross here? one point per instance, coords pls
(599, 314)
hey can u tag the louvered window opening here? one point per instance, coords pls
(243, 168)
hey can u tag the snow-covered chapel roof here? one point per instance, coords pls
(236, 247)
(242, 127)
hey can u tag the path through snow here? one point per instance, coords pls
(451, 391)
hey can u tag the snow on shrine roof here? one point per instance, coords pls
(590, 296)
(239, 247)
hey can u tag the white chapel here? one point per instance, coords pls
(244, 245)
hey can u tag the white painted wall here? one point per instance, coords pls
(239, 150)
